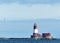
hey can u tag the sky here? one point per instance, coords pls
(28, 10)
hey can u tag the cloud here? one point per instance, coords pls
(31, 1)
(36, 11)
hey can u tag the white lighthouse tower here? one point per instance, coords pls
(35, 32)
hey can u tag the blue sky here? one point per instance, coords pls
(31, 1)
(28, 10)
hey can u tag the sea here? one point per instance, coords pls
(29, 40)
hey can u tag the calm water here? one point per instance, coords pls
(29, 41)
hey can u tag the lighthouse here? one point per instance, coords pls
(35, 32)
